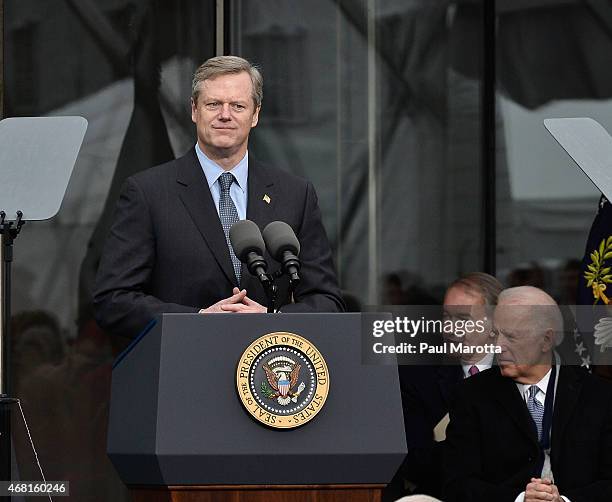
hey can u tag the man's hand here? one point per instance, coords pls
(247, 306)
(542, 489)
(556, 494)
(237, 298)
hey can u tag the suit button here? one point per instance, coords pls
(530, 459)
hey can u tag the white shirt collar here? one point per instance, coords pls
(484, 364)
(542, 385)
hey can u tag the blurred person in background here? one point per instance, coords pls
(427, 390)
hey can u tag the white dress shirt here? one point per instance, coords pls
(541, 397)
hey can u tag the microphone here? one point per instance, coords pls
(249, 246)
(284, 247)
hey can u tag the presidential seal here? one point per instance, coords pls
(282, 380)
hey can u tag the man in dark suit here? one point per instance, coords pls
(427, 390)
(168, 249)
(530, 429)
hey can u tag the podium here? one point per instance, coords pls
(178, 430)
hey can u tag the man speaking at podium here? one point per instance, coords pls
(168, 250)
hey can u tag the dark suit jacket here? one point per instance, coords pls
(491, 449)
(166, 251)
(426, 395)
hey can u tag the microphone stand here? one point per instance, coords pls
(258, 267)
(9, 231)
(271, 290)
(290, 265)
(293, 281)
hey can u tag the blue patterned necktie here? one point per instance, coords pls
(228, 215)
(536, 409)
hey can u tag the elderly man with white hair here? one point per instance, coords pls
(530, 429)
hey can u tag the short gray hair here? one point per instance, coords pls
(225, 65)
(485, 285)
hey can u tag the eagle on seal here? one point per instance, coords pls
(283, 381)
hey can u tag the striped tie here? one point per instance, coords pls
(228, 215)
(536, 409)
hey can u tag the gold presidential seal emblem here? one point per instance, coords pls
(282, 380)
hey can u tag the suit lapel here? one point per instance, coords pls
(568, 392)
(262, 196)
(508, 396)
(196, 196)
(261, 202)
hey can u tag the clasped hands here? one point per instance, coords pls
(238, 302)
(542, 489)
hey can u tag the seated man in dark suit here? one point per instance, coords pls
(426, 390)
(530, 429)
(168, 249)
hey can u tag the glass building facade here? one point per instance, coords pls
(418, 121)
